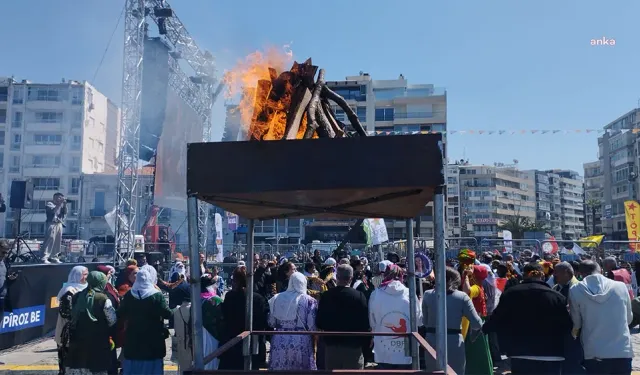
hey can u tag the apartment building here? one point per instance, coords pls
(490, 195)
(395, 105)
(560, 202)
(455, 227)
(594, 196)
(51, 134)
(613, 179)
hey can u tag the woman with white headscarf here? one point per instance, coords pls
(293, 310)
(144, 309)
(76, 282)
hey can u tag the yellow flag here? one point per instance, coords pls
(590, 241)
(632, 217)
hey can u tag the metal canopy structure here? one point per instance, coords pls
(197, 90)
(321, 178)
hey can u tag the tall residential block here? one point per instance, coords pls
(491, 195)
(613, 178)
(394, 105)
(50, 134)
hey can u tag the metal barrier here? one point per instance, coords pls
(413, 339)
(559, 242)
(527, 244)
(616, 246)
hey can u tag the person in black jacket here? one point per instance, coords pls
(343, 309)
(540, 349)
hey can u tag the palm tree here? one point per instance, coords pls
(518, 225)
(594, 205)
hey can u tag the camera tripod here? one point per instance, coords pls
(16, 255)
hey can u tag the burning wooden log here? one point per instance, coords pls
(296, 105)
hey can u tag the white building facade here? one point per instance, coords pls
(491, 195)
(394, 105)
(51, 134)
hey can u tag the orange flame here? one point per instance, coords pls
(243, 80)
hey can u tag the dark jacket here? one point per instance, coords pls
(343, 309)
(543, 314)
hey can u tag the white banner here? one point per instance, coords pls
(507, 236)
(376, 230)
(218, 227)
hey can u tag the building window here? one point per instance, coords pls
(49, 117)
(340, 116)
(4, 94)
(46, 94)
(16, 142)
(47, 139)
(362, 113)
(1, 137)
(15, 164)
(353, 93)
(76, 122)
(389, 94)
(384, 114)
(1, 159)
(46, 183)
(3, 116)
(76, 142)
(18, 95)
(77, 95)
(16, 122)
(46, 161)
(75, 164)
(36, 229)
(75, 185)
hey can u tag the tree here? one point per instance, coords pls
(518, 225)
(594, 205)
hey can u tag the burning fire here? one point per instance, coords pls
(243, 80)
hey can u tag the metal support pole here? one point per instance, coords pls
(441, 279)
(248, 318)
(194, 265)
(413, 296)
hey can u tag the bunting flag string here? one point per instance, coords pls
(506, 132)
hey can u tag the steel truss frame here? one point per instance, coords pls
(197, 91)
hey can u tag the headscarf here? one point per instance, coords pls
(330, 262)
(466, 256)
(480, 273)
(145, 285)
(180, 269)
(382, 266)
(96, 282)
(108, 270)
(207, 288)
(73, 281)
(284, 306)
(426, 265)
(392, 273)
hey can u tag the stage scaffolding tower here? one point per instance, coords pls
(199, 91)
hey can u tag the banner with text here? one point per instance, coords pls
(31, 306)
(632, 217)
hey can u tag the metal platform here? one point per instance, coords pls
(360, 177)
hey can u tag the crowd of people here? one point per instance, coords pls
(544, 315)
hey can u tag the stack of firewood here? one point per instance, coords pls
(296, 104)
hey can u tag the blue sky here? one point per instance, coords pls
(507, 65)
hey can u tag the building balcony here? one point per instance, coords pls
(410, 118)
(42, 149)
(44, 126)
(39, 171)
(33, 216)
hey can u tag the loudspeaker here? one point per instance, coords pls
(21, 194)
